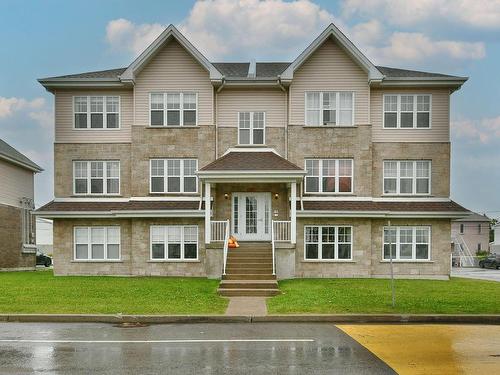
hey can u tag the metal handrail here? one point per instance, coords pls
(272, 246)
(226, 245)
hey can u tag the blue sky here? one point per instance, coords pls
(46, 38)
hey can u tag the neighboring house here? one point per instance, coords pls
(474, 230)
(44, 238)
(152, 161)
(495, 245)
(17, 227)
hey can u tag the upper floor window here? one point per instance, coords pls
(327, 242)
(407, 111)
(407, 243)
(96, 112)
(329, 175)
(173, 109)
(96, 177)
(329, 108)
(97, 243)
(462, 227)
(407, 177)
(174, 176)
(479, 228)
(251, 128)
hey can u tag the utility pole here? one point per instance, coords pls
(392, 269)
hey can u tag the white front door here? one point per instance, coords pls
(252, 216)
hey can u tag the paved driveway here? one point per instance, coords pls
(266, 348)
(477, 273)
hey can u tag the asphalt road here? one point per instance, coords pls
(476, 273)
(277, 348)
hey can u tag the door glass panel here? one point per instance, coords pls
(251, 215)
(267, 215)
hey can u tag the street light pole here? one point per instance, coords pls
(392, 269)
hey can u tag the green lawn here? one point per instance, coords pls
(331, 296)
(41, 292)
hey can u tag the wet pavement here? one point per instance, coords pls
(477, 273)
(234, 348)
(432, 349)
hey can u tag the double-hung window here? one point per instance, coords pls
(329, 108)
(174, 176)
(173, 109)
(411, 177)
(329, 175)
(96, 112)
(407, 111)
(97, 243)
(251, 128)
(96, 177)
(327, 242)
(174, 242)
(407, 243)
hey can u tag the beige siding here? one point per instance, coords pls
(329, 68)
(64, 131)
(173, 69)
(15, 183)
(270, 101)
(440, 118)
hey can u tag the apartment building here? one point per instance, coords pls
(326, 166)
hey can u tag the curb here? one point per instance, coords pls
(331, 318)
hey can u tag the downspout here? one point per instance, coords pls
(216, 109)
(286, 115)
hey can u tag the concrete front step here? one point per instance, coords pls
(248, 276)
(248, 265)
(248, 292)
(249, 260)
(248, 284)
(246, 271)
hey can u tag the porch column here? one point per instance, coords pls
(207, 212)
(293, 213)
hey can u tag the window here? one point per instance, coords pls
(407, 243)
(407, 177)
(329, 175)
(174, 242)
(96, 112)
(97, 243)
(479, 227)
(96, 177)
(327, 243)
(28, 233)
(479, 247)
(330, 108)
(462, 227)
(407, 111)
(251, 128)
(173, 109)
(174, 176)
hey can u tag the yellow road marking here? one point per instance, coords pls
(432, 349)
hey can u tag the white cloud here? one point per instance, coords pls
(485, 130)
(44, 118)
(481, 14)
(122, 34)
(8, 106)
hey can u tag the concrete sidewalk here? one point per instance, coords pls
(247, 306)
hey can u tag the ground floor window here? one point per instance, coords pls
(407, 243)
(174, 242)
(97, 243)
(327, 242)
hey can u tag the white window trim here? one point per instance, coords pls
(89, 244)
(414, 178)
(398, 112)
(252, 128)
(337, 180)
(336, 244)
(104, 177)
(181, 109)
(337, 109)
(104, 113)
(414, 248)
(165, 176)
(165, 236)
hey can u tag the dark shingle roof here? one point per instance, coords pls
(423, 206)
(270, 69)
(119, 206)
(9, 152)
(251, 161)
(230, 69)
(404, 73)
(476, 218)
(110, 73)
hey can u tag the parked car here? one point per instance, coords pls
(492, 261)
(43, 259)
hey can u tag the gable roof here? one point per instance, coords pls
(158, 43)
(475, 218)
(332, 31)
(10, 154)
